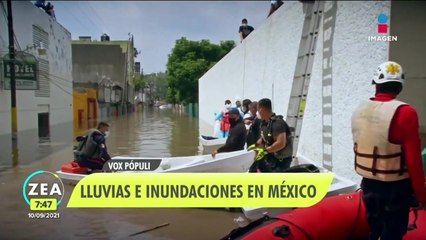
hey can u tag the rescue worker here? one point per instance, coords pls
(237, 134)
(275, 137)
(387, 155)
(92, 152)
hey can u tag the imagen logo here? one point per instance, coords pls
(382, 29)
(43, 191)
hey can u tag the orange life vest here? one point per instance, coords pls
(224, 124)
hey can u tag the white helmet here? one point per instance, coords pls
(389, 72)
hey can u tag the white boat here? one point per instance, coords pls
(339, 185)
(209, 145)
(238, 161)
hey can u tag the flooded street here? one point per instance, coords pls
(152, 133)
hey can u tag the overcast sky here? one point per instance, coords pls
(156, 25)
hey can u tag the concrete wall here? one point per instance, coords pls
(408, 20)
(263, 66)
(95, 62)
(59, 103)
(103, 65)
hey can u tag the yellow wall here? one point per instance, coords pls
(91, 93)
(80, 100)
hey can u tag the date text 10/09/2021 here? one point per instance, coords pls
(40, 215)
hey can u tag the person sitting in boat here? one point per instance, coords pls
(224, 120)
(237, 134)
(386, 144)
(92, 151)
(275, 137)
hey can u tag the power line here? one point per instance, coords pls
(57, 84)
(96, 13)
(48, 77)
(78, 20)
(60, 78)
(90, 19)
(60, 85)
(14, 35)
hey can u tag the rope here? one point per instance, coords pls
(244, 67)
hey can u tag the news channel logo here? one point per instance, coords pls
(382, 30)
(43, 191)
(382, 26)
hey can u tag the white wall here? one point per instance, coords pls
(25, 15)
(354, 61)
(268, 56)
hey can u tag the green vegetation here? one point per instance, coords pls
(156, 82)
(188, 61)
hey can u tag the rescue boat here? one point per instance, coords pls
(338, 217)
(238, 161)
(339, 185)
(209, 144)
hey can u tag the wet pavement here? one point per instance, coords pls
(153, 133)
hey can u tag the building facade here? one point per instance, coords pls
(43, 81)
(105, 68)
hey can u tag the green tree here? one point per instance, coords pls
(161, 86)
(188, 61)
(157, 83)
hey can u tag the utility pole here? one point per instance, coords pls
(12, 84)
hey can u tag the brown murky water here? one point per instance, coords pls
(149, 133)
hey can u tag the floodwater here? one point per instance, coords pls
(153, 132)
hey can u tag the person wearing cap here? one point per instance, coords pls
(387, 151)
(92, 150)
(237, 134)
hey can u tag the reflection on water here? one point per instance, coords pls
(31, 149)
(153, 132)
(184, 136)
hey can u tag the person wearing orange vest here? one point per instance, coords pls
(387, 151)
